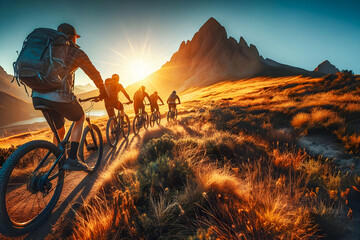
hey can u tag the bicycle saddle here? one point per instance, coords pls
(42, 107)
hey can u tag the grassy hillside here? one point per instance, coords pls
(232, 168)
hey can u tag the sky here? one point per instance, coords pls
(135, 38)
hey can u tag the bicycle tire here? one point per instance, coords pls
(152, 120)
(158, 118)
(146, 120)
(136, 125)
(126, 130)
(7, 226)
(168, 117)
(112, 140)
(87, 135)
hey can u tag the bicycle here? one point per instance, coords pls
(31, 179)
(172, 115)
(117, 125)
(141, 119)
(155, 117)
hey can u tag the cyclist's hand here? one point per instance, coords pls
(103, 95)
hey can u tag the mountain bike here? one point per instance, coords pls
(141, 119)
(155, 117)
(172, 115)
(31, 179)
(117, 125)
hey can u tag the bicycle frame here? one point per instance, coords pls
(61, 144)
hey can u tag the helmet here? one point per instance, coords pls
(67, 29)
(174, 92)
(156, 92)
(142, 88)
(115, 77)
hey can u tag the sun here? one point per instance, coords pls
(139, 69)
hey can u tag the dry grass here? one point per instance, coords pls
(231, 168)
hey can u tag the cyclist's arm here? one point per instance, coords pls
(177, 97)
(86, 65)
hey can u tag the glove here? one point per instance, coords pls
(103, 94)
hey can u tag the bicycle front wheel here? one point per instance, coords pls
(91, 147)
(112, 132)
(28, 190)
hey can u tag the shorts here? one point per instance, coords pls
(137, 106)
(111, 104)
(71, 111)
(154, 107)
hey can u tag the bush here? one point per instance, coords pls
(5, 153)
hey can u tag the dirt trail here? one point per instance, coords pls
(78, 187)
(329, 146)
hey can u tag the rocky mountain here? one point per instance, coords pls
(13, 109)
(326, 67)
(210, 57)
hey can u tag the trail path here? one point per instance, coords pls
(78, 187)
(329, 146)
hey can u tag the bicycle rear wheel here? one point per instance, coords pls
(125, 126)
(152, 119)
(27, 196)
(169, 116)
(158, 117)
(91, 147)
(146, 120)
(112, 132)
(136, 124)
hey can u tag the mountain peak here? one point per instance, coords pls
(326, 67)
(212, 28)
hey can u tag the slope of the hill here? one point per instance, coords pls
(13, 109)
(12, 88)
(236, 142)
(210, 57)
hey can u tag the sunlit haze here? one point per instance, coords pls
(136, 38)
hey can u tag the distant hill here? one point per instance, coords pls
(13, 109)
(210, 57)
(79, 89)
(326, 67)
(12, 88)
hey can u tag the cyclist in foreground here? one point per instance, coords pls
(139, 98)
(113, 87)
(172, 101)
(63, 102)
(154, 98)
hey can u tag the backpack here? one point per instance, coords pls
(41, 61)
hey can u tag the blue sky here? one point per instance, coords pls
(120, 35)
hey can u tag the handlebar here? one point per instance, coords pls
(128, 103)
(93, 99)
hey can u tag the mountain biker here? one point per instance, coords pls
(172, 100)
(139, 97)
(113, 87)
(63, 102)
(153, 101)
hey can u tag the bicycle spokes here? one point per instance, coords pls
(29, 186)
